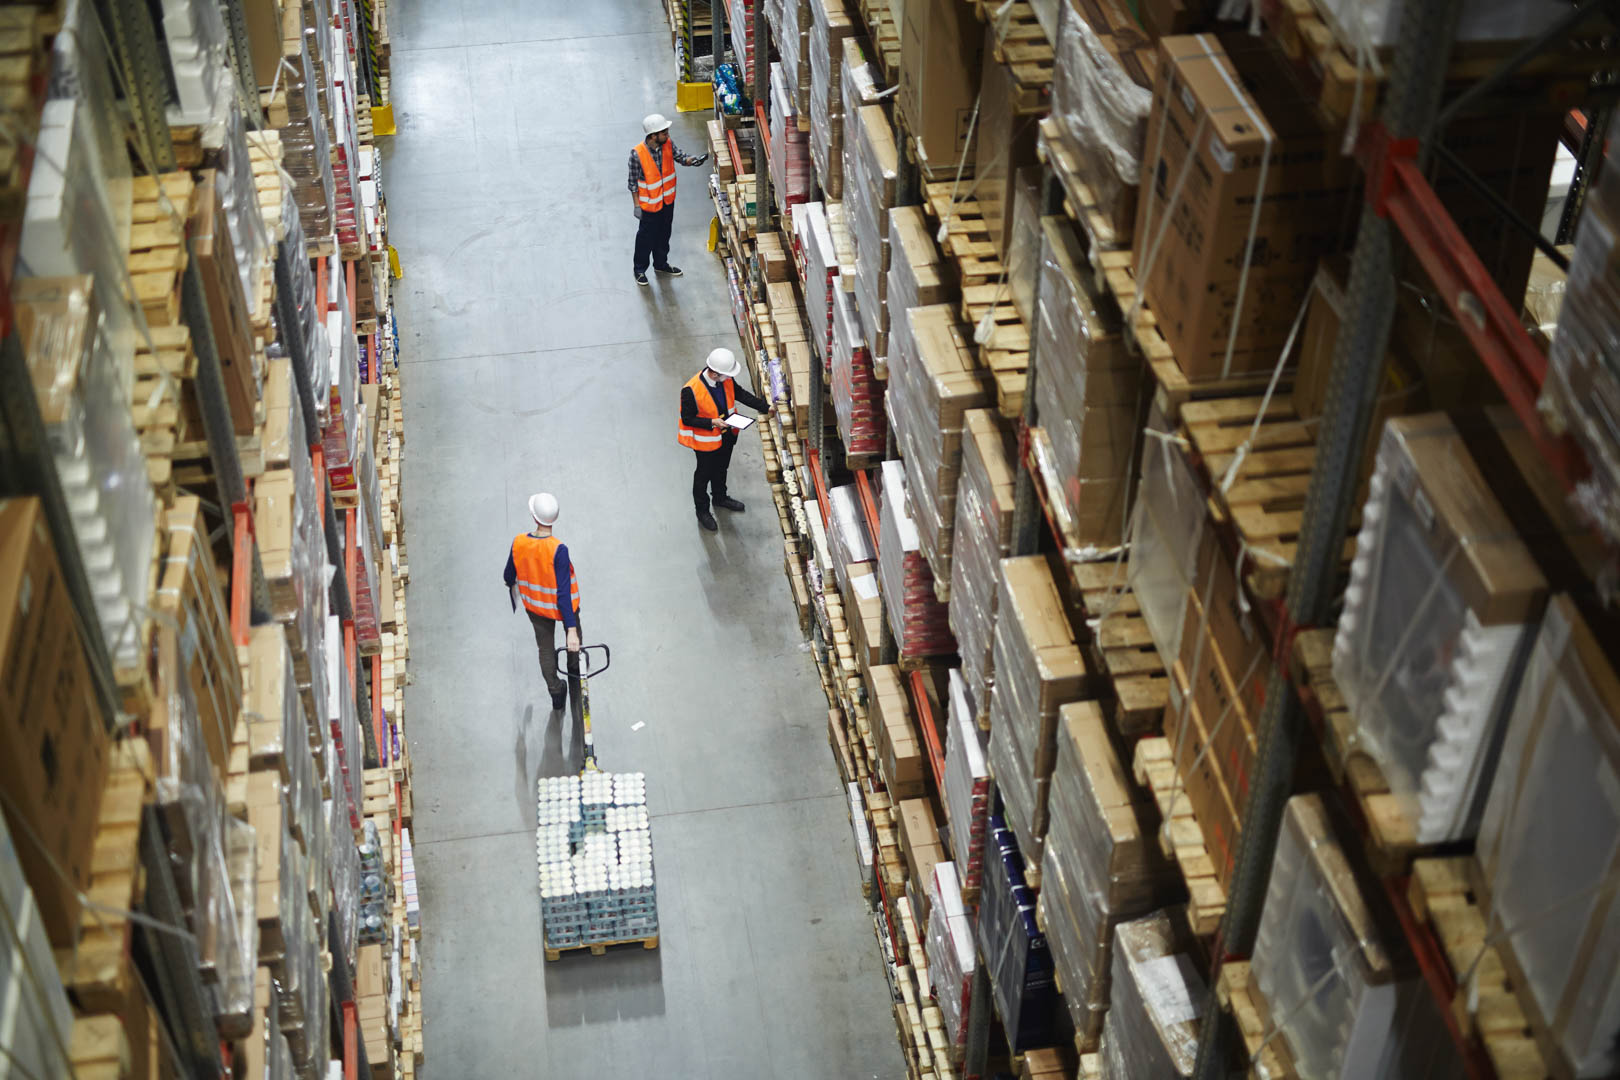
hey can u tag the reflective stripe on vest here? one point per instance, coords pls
(535, 558)
(703, 394)
(656, 188)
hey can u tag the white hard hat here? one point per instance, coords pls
(724, 362)
(654, 122)
(543, 508)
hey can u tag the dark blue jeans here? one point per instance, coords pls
(652, 237)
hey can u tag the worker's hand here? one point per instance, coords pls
(638, 213)
(573, 639)
(702, 159)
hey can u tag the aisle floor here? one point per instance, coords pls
(533, 361)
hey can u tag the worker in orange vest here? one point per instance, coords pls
(540, 573)
(706, 400)
(652, 187)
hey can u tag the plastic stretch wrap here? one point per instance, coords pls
(982, 538)
(199, 64)
(1158, 996)
(1168, 535)
(1318, 960)
(933, 381)
(848, 532)
(792, 41)
(967, 785)
(790, 147)
(856, 392)
(1039, 668)
(869, 195)
(342, 716)
(915, 614)
(1551, 834)
(830, 24)
(306, 151)
(36, 1019)
(367, 598)
(1102, 862)
(341, 435)
(342, 860)
(1376, 24)
(316, 358)
(1088, 405)
(952, 959)
(1025, 243)
(1442, 592)
(815, 239)
(1103, 115)
(84, 402)
(740, 35)
(1014, 949)
(244, 221)
(1583, 376)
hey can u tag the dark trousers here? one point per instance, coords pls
(710, 474)
(545, 639)
(652, 237)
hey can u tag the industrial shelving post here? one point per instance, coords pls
(1411, 104)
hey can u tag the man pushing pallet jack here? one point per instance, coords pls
(593, 842)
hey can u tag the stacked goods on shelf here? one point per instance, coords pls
(916, 274)
(982, 538)
(1102, 864)
(1581, 387)
(1547, 843)
(1343, 1003)
(916, 616)
(894, 733)
(740, 35)
(952, 958)
(856, 392)
(941, 46)
(849, 537)
(967, 787)
(872, 165)
(308, 153)
(933, 381)
(792, 39)
(37, 1018)
(1089, 400)
(1006, 143)
(1442, 596)
(1023, 261)
(1158, 997)
(1038, 669)
(812, 234)
(1281, 190)
(830, 26)
(790, 147)
(1015, 951)
(1102, 89)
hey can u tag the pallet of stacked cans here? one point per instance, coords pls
(594, 852)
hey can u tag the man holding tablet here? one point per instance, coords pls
(709, 425)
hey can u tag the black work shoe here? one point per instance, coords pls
(559, 698)
(734, 505)
(669, 271)
(706, 520)
(641, 279)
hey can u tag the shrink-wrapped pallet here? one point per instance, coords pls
(967, 785)
(856, 392)
(814, 235)
(792, 40)
(1039, 668)
(869, 196)
(1157, 998)
(1015, 952)
(916, 616)
(952, 959)
(790, 147)
(982, 538)
(830, 24)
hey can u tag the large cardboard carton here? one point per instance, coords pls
(1264, 194)
(53, 742)
(940, 52)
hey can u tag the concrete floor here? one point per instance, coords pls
(533, 361)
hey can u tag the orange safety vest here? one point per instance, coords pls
(657, 187)
(703, 394)
(535, 558)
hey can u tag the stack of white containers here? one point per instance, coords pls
(950, 949)
(593, 846)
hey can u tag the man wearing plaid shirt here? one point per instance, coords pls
(652, 189)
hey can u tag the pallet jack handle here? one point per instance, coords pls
(580, 671)
(564, 662)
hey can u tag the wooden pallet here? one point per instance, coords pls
(1143, 331)
(1123, 648)
(1391, 831)
(157, 243)
(1180, 837)
(600, 948)
(1080, 203)
(1240, 995)
(1266, 499)
(1019, 42)
(1445, 894)
(1005, 351)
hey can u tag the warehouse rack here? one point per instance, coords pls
(1393, 154)
(169, 959)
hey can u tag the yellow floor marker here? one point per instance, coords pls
(382, 120)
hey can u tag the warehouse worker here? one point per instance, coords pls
(706, 400)
(652, 188)
(540, 573)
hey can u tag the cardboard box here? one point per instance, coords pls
(1261, 149)
(940, 52)
(53, 739)
(1219, 817)
(1230, 702)
(894, 731)
(863, 608)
